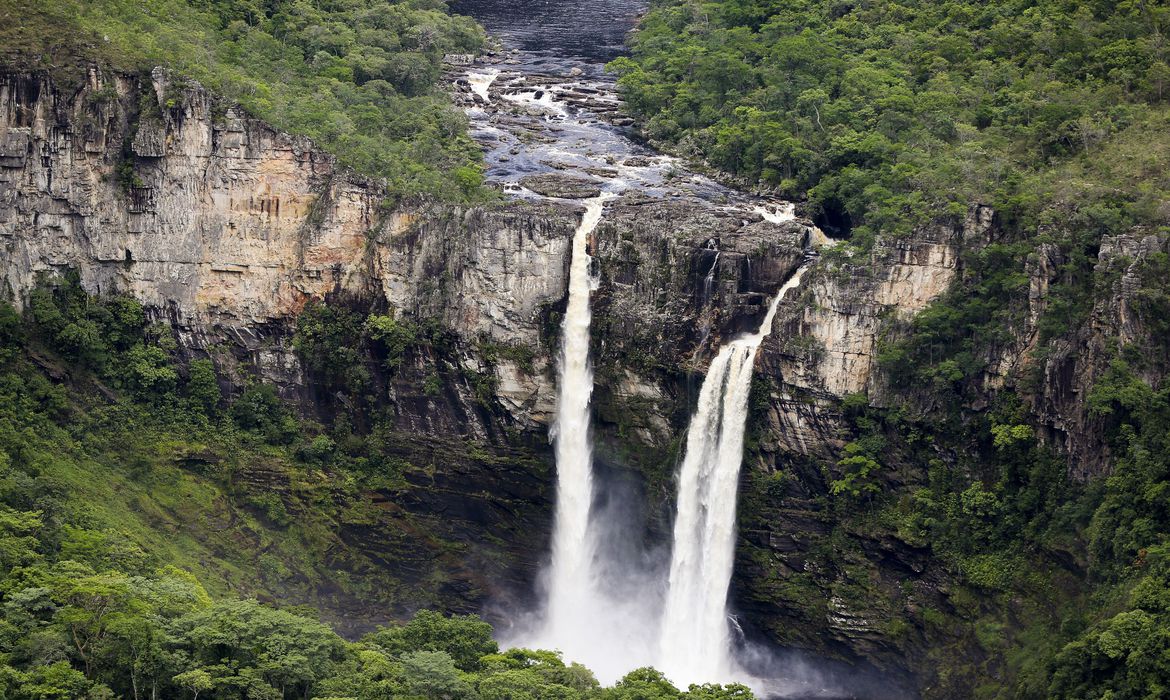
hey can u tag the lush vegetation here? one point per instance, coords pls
(1073, 577)
(1066, 583)
(358, 76)
(889, 113)
(108, 465)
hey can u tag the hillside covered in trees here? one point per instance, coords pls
(359, 78)
(884, 115)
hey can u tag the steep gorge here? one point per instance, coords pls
(227, 229)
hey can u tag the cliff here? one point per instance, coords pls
(226, 229)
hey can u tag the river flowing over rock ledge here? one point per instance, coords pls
(227, 228)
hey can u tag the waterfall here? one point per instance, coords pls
(481, 83)
(589, 616)
(570, 579)
(778, 215)
(709, 280)
(694, 642)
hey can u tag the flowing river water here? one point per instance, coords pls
(549, 120)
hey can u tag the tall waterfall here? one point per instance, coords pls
(580, 619)
(695, 643)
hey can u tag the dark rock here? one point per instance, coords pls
(562, 186)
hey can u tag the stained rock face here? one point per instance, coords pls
(219, 216)
(1073, 364)
(826, 345)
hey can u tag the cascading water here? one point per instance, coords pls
(481, 83)
(709, 280)
(588, 621)
(694, 644)
(571, 590)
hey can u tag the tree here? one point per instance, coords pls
(196, 680)
(521, 684)
(713, 691)
(433, 675)
(465, 638)
(203, 386)
(252, 648)
(148, 371)
(18, 541)
(642, 684)
(88, 605)
(56, 681)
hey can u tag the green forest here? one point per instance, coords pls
(360, 78)
(887, 114)
(100, 533)
(172, 530)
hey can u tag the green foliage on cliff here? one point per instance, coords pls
(128, 548)
(889, 113)
(1066, 582)
(360, 77)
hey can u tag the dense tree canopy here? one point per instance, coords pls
(358, 76)
(886, 113)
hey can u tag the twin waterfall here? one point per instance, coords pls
(687, 636)
(695, 645)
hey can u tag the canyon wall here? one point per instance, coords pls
(226, 228)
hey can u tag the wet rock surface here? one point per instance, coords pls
(562, 186)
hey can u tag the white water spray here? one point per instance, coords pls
(570, 578)
(481, 83)
(585, 617)
(695, 643)
(780, 214)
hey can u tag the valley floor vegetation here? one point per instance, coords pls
(98, 593)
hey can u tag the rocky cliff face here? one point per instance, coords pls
(226, 229)
(1072, 364)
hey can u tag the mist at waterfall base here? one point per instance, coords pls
(611, 602)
